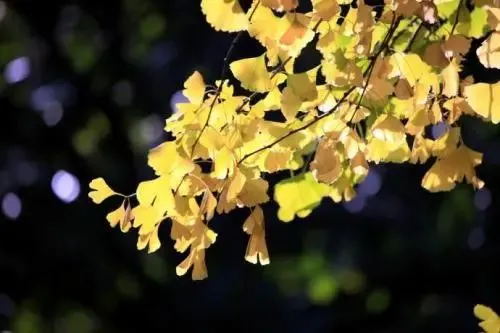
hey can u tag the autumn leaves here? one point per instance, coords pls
(386, 75)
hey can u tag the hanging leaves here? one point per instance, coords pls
(386, 73)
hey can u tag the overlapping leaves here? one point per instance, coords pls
(387, 74)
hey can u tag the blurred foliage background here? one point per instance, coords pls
(84, 91)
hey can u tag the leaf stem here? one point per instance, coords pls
(224, 71)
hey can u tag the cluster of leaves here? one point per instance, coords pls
(389, 70)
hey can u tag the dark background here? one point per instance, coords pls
(84, 91)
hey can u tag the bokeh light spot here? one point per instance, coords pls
(26, 173)
(356, 205)
(11, 206)
(371, 184)
(439, 129)
(3, 10)
(151, 129)
(476, 238)
(123, 93)
(322, 289)
(17, 70)
(378, 301)
(482, 199)
(177, 98)
(65, 186)
(7, 306)
(52, 113)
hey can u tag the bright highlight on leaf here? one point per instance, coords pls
(252, 73)
(384, 74)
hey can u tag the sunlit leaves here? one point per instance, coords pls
(386, 74)
(484, 99)
(298, 196)
(452, 169)
(489, 51)
(252, 73)
(225, 15)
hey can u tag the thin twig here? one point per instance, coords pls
(414, 37)
(457, 17)
(224, 71)
(292, 132)
(371, 66)
(273, 74)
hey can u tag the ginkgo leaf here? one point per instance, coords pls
(325, 9)
(494, 18)
(296, 35)
(298, 196)
(195, 259)
(296, 30)
(490, 322)
(252, 73)
(122, 216)
(451, 79)
(303, 85)
(290, 104)
(489, 51)
(150, 239)
(452, 169)
(408, 66)
(484, 99)
(194, 88)
(254, 192)
(224, 163)
(327, 164)
(225, 15)
(257, 247)
(101, 190)
(388, 128)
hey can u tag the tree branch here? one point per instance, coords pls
(292, 132)
(273, 74)
(224, 71)
(457, 17)
(385, 42)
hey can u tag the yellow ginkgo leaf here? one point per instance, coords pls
(224, 163)
(257, 247)
(490, 322)
(122, 215)
(101, 190)
(150, 239)
(484, 99)
(281, 5)
(195, 259)
(252, 73)
(225, 15)
(290, 104)
(494, 18)
(254, 192)
(194, 88)
(388, 128)
(325, 9)
(451, 79)
(298, 196)
(489, 51)
(327, 164)
(303, 85)
(452, 169)
(409, 66)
